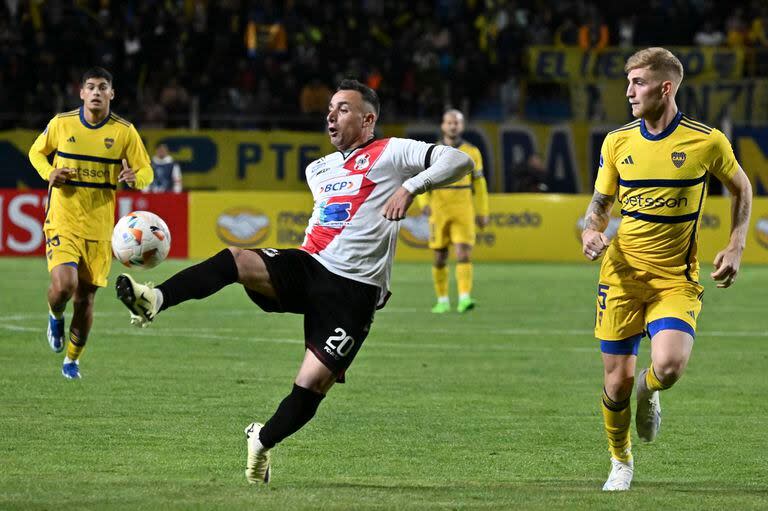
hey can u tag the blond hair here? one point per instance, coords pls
(658, 60)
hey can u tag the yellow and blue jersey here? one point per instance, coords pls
(661, 182)
(85, 204)
(471, 190)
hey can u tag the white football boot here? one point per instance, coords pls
(620, 477)
(140, 299)
(648, 411)
(257, 465)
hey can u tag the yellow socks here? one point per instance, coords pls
(440, 279)
(75, 347)
(617, 417)
(464, 278)
(652, 382)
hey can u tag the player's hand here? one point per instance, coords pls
(482, 221)
(127, 175)
(727, 266)
(593, 243)
(60, 176)
(397, 205)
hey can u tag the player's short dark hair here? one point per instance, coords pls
(96, 72)
(369, 95)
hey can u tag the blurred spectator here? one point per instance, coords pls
(567, 33)
(627, 32)
(152, 113)
(758, 30)
(239, 60)
(736, 28)
(175, 100)
(530, 176)
(315, 96)
(708, 35)
(167, 172)
(593, 35)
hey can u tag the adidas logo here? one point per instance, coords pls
(71, 139)
(628, 161)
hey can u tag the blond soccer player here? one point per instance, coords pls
(658, 166)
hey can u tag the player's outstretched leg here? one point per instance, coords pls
(141, 299)
(195, 282)
(648, 414)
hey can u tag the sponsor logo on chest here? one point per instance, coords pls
(339, 186)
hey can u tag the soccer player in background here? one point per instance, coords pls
(167, 172)
(453, 211)
(659, 165)
(339, 276)
(93, 150)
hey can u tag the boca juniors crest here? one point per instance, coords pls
(109, 142)
(678, 159)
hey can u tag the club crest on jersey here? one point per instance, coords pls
(362, 162)
(109, 142)
(678, 159)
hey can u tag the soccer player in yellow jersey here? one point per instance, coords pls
(453, 212)
(658, 165)
(93, 150)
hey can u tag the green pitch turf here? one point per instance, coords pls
(496, 409)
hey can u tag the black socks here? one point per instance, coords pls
(200, 280)
(293, 413)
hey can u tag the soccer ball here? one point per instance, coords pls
(141, 240)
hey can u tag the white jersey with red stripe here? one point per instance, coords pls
(347, 232)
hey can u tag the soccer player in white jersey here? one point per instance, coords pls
(339, 276)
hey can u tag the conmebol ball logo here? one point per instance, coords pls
(414, 231)
(761, 231)
(242, 227)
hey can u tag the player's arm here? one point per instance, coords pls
(480, 192)
(728, 260)
(44, 145)
(137, 167)
(593, 238)
(443, 164)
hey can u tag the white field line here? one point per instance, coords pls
(202, 333)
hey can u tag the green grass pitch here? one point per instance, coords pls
(496, 409)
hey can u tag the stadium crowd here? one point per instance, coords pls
(241, 63)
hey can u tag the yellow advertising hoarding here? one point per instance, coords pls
(566, 64)
(523, 227)
(275, 160)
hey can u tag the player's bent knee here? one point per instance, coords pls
(668, 371)
(619, 389)
(63, 289)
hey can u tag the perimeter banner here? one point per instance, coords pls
(22, 213)
(567, 64)
(523, 227)
(265, 160)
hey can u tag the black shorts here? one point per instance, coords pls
(338, 311)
